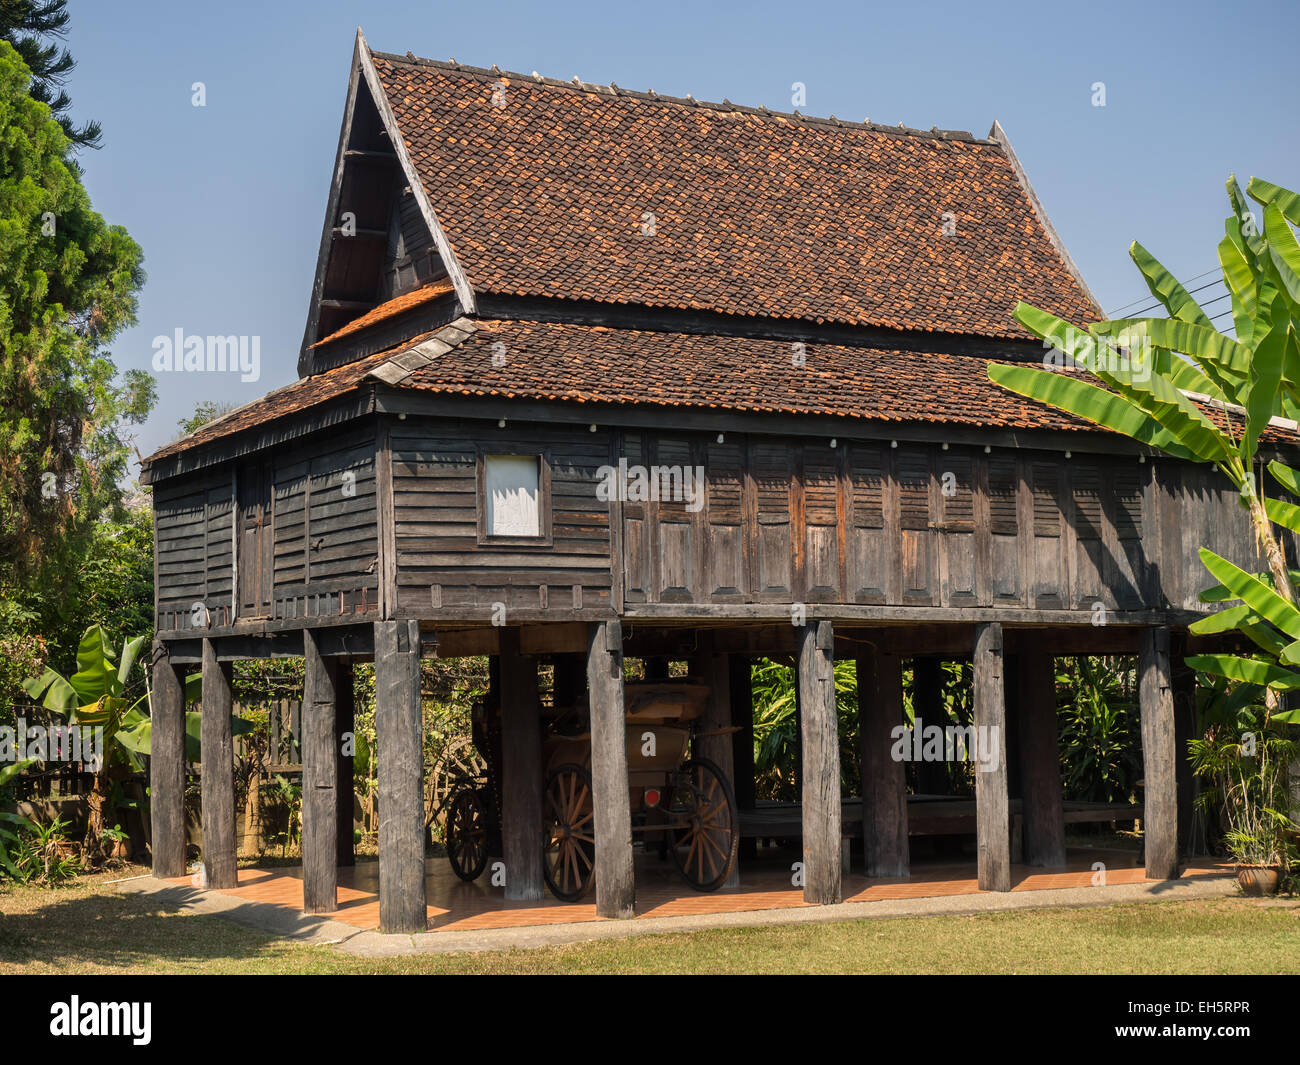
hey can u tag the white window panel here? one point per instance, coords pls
(511, 483)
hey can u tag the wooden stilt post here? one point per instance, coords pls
(167, 766)
(1160, 796)
(320, 767)
(992, 804)
(740, 687)
(344, 735)
(218, 773)
(713, 669)
(615, 875)
(1040, 754)
(1183, 680)
(399, 732)
(521, 771)
(927, 704)
(884, 777)
(820, 771)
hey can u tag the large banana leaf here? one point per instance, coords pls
(1218, 359)
(1261, 399)
(1148, 391)
(96, 674)
(1246, 670)
(52, 690)
(1167, 289)
(1285, 514)
(1285, 200)
(1090, 402)
(1283, 250)
(1285, 476)
(1218, 593)
(1247, 231)
(139, 738)
(1224, 620)
(1254, 593)
(1240, 281)
(130, 651)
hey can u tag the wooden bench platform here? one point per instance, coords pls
(927, 815)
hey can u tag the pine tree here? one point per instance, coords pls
(35, 28)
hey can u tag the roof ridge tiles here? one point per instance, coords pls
(577, 85)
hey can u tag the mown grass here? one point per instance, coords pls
(87, 927)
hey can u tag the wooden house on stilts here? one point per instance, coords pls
(591, 373)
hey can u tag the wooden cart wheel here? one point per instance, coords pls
(569, 836)
(706, 832)
(467, 833)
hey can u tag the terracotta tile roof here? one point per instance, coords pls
(593, 364)
(584, 364)
(554, 193)
(390, 309)
(298, 396)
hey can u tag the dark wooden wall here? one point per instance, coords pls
(922, 525)
(440, 567)
(305, 522)
(383, 519)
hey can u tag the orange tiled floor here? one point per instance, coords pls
(765, 885)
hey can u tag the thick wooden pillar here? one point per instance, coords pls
(615, 876)
(345, 723)
(399, 734)
(167, 766)
(521, 771)
(740, 688)
(218, 772)
(927, 704)
(1183, 680)
(320, 767)
(656, 667)
(992, 803)
(1040, 756)
(820, 768)
(884, 777)
(714, 670)
(1160, 795)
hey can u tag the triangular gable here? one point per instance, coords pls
(381, 239)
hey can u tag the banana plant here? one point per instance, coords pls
(9, 835)
(1179, 385)
(94, 698)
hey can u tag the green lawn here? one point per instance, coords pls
(89, 928)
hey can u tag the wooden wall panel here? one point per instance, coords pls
(636, 530)
(1005, 579)
(914, 476)
(1047, 576)
(725, 547)
(956, 524)
(677, 562)
(1086, 479)
(821, 511)
(772, 469)
(868, 549)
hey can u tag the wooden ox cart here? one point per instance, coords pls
(682, 804)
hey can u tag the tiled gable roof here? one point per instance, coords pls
(571, 191)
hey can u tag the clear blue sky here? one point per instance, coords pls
(228, 200)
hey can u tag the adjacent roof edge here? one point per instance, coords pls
(395, 370)
(331, 210)
(726, 106)
(464, 292)
(998, 135)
